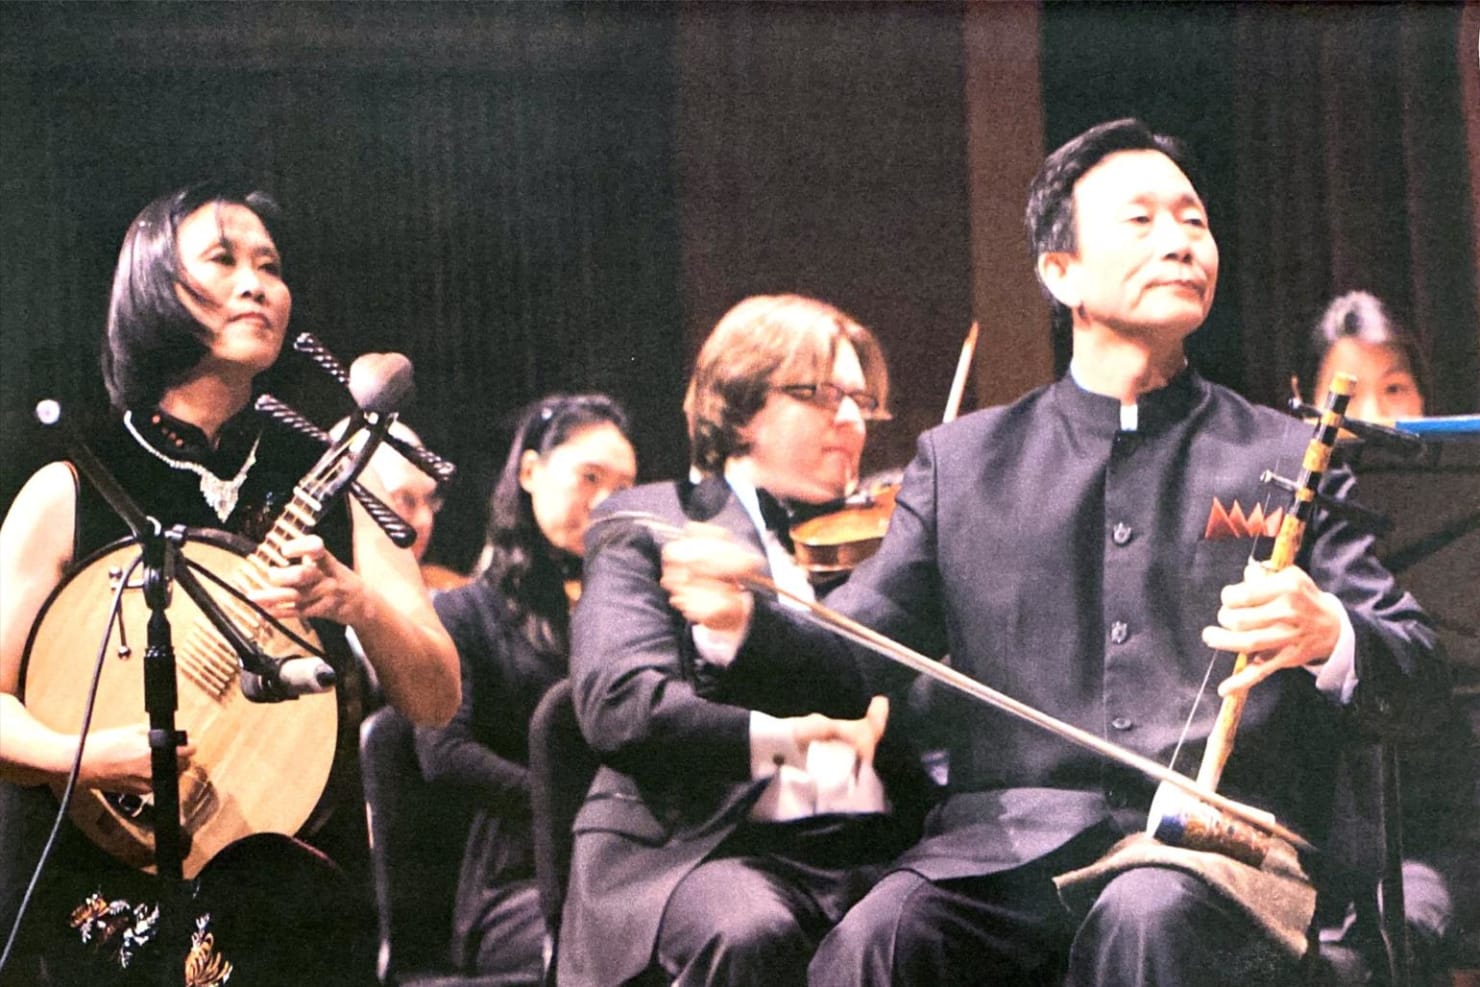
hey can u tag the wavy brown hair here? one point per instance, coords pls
(763, 340)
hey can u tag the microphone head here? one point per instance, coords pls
(48, 412)
(305, 676)
(381, 382)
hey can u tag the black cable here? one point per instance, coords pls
(278, 625)
(70, 787)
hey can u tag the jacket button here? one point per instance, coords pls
(1122, 723)
(1122, 533)
(1120, 632)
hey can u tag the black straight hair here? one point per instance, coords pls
(519, 561)
(1050, 217)
(152, 340)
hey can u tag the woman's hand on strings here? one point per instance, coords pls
(702, 573)
(313, 584)
(1278, 619)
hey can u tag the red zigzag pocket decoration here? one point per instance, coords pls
(1225, 523)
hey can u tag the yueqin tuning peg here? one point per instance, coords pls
(395, 527)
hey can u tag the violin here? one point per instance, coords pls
(833, 544)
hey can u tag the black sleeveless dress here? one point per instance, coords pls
(279, 911)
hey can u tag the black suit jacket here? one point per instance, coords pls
(675, 740)
(1072, 566)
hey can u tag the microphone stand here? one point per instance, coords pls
(161, 700)
(161, 555)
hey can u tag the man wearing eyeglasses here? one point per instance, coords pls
(736, 817)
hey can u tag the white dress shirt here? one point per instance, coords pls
(828, 778)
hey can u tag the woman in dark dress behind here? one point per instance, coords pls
(510, 627)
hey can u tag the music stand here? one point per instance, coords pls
(1433, 500)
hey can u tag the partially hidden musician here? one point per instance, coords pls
(199, 312)
(511, 627)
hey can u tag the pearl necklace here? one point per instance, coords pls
(220, 494)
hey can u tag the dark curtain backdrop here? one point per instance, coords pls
(487, 189)
(531, 197)
(1362, 183)
(822, 150)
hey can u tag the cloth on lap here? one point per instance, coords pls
(1278, 895)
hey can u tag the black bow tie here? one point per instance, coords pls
(775, 517)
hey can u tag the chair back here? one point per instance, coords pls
(561, 767)
(417, 835)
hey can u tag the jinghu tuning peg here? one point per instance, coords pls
(1350, 511)
(1396, 440)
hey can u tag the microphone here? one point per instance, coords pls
(287, 678)
(1396, 440)
(302, 676)
(381, 382)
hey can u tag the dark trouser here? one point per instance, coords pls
(1151, 926)
(1155, 925)
(754, 913)
(506, 946)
